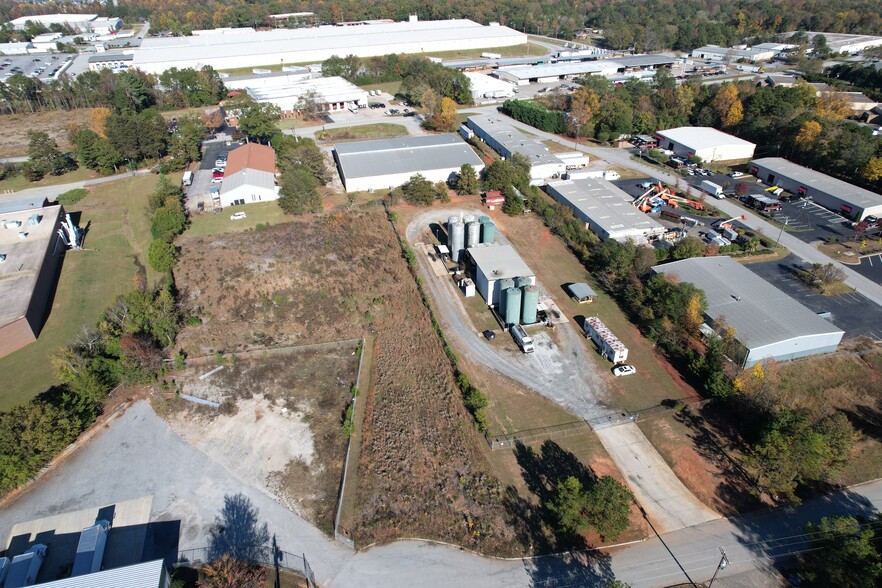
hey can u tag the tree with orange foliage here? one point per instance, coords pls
(727, 106)
(97, 119)
(831, 105)
(228, 572)
(808, 134)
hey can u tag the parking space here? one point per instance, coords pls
(852, 312)
(870, 267)
(36, 65)
(200, 190)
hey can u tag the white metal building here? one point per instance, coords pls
(494, 263)
(115, 61)
(386, 163)
(334, 93)
(551, 72)
(22, 48)
(844, 43)
(705, 142)
(606, 210)
(842, 197)
(728, 54)
(82, 23)
(150, 574)
(249, 176)
(507, 140)
(486, 88)
(768, 323)
(229, 49)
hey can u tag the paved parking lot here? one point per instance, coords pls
(199, 191)
(851, 312)
(29, 64)
(870, 267)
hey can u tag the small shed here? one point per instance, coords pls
(581, 292)
(493, 198)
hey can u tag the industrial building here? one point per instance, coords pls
(761, 52)
(149, 574)
(81, 23)
(768, 323)
(504, 279)
(705, 142)
(506, 140)
(30, 254)
(250, 175)
(465, 232)
(488, 89)
(844, 43)
(842, 197)
(234, 48)
(115, 61)
(563, 70)
(22, 48)
(386, 163)
(332, 93)
(606, 210)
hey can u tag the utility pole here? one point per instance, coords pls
(724, 562)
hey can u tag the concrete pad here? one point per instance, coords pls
(667, 502)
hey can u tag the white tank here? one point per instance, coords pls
(473, 234)
(457, 240)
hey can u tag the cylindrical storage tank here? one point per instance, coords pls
(473, 235)
(503, 285)
(457, 240)
(529, 302)
(522, 282)
(483, 219)
(469, 218)
(488, 232)
(512, 306)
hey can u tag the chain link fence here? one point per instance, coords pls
(298, 564)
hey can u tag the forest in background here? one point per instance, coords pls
(648, 25)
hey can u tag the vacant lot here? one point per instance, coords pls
(14, 139)
(421, 471)
(116, 242)
(361, 132)
(259, 216)
(280, 425)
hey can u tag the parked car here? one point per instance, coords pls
(220, 163)
(624, 370)
(489, 335)
(735, 174)
(237, 216)
(217, 180)
(216, 174)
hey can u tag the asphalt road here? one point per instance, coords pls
(50, 192)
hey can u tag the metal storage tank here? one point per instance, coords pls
(512, 306)
(451, 220)
(483, 219)
(488, 232)
(469, 218)
(473, 234)
(521, 282)
(530, 300)
(503, 285)
(457, 240)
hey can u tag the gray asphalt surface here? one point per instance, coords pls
(50, 192)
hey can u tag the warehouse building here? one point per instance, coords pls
(149, 574)
(844, 43)
(30, 254)
(705, 142)
(250, 176)
(386, 163)
(606, 210)
(81, 23)
(506, 140)
(114, 61)
(22, 48)
(842, 197)
(333, 93)
(730, 54)
(486, 88)
(494, 264)
(544, 73)
(768, 323)
(228, 49)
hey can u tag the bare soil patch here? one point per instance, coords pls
(421, 472)
(14, 139)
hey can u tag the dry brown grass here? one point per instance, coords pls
(14, 139)
(421, 472)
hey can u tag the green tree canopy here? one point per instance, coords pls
(298, 190)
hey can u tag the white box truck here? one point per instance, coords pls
(188, 178)
(713, 189)
(491, 55)
(608, 344)
(522, 339)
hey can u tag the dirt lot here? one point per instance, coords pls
(279, 425)
(421, 471)
(14, 139)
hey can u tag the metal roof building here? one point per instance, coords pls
(387, 163)
(705, 142)
(250, 175)
(494, 263)
(606, 210)
(30, 253)
(551, 72)
(83, 23)
(842, 197)
(768, 323)
(507, 140)
(227, 49)
(334, 93)
(150, 574)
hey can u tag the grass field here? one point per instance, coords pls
(357, 133)
(525, 50)
(18, 182)
(119, 231)
(388, 87)
(14, 139)
(210, 223)
(298, 123)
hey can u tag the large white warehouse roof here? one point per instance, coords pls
(499, 262)
(700, 138)
(286, 93)
(238, 49)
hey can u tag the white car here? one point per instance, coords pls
(221, 163)
(735, 175)
(624, 370)
(237, 216)
(216, 180)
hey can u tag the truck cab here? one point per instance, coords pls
(522, 339)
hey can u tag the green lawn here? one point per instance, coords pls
(18, 182)
(210, 223)
(90, 280)
(525, 50)
(374, 131)
(298, 123)
(388, 87)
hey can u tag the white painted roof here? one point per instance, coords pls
(696, 138)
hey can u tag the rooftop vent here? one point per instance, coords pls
(11, 224)
(2, 257)
(35, 219)
(22, 235)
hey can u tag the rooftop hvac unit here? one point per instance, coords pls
(35, 219)
(11, 224)
(22, 235)
(2, 257)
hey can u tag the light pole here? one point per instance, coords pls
(724, 562)
(781, 232)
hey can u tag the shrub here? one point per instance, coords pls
(71, 197)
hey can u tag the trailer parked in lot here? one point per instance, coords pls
(24, 568)
(609, 345)
(711, 188)
(90, 549)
